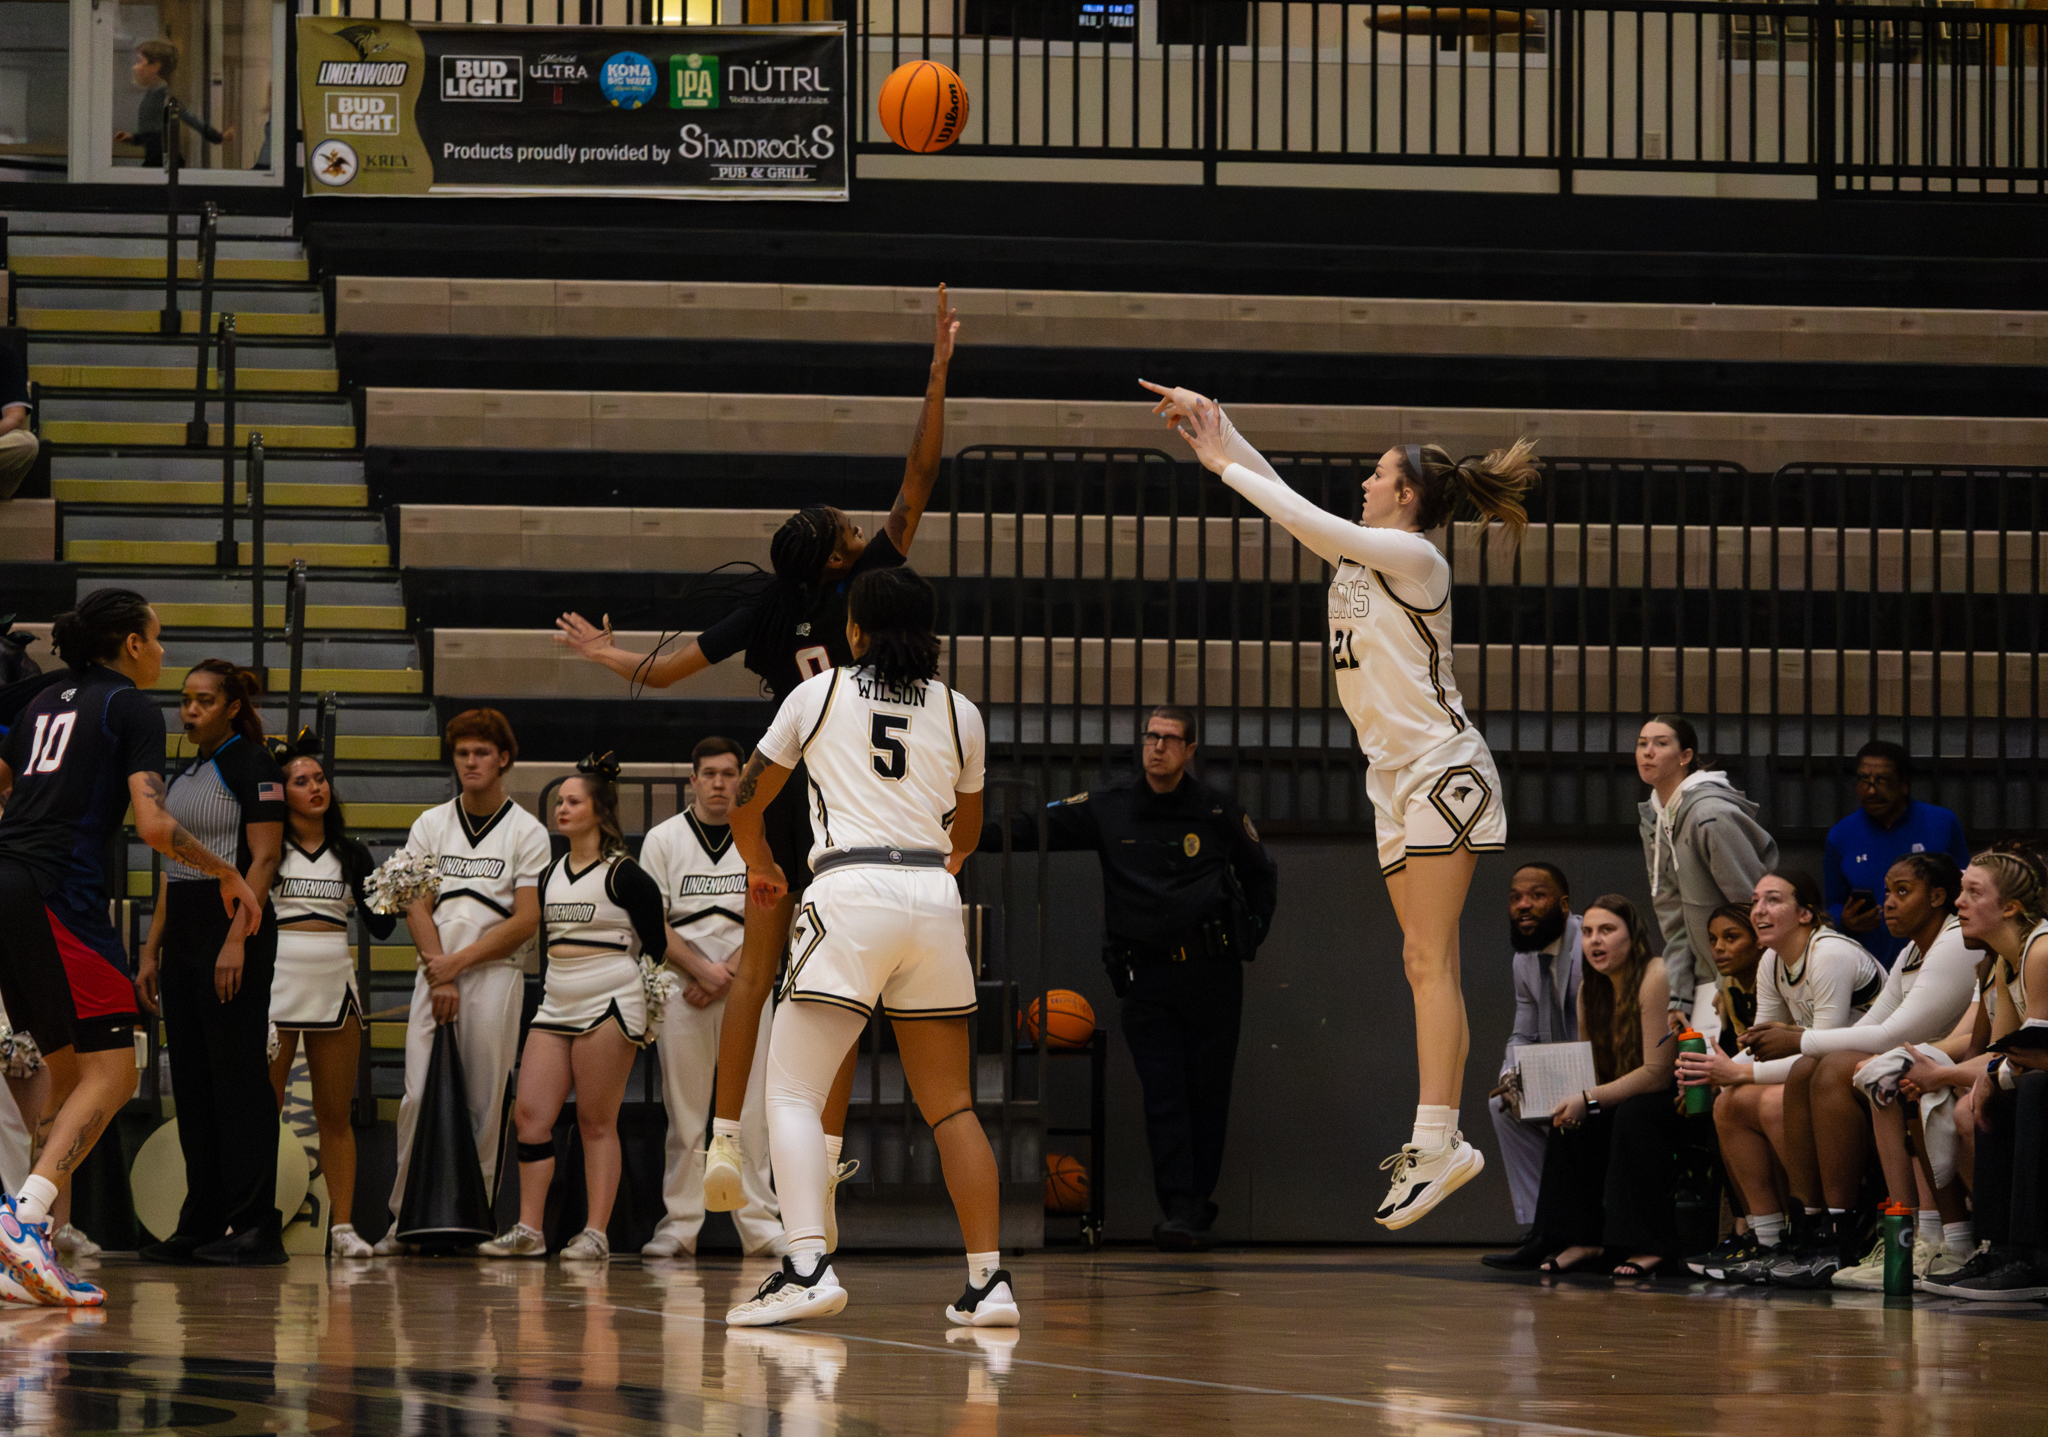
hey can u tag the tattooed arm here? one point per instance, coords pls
(760, 781)
(927, 445)
(155, 826)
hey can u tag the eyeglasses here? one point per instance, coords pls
(1159, 740)
(1879, 780)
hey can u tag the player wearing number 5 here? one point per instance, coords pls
(794, 629)
(1436, 797)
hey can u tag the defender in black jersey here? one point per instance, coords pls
(83, 750)
(795, 628)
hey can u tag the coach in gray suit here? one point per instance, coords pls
(1545, 934)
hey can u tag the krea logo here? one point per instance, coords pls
(693, 82)
(627, 80)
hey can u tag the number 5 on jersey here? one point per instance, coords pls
(46, 749)
(890, 758)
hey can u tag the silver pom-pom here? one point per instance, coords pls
(274, 1046)
(663, 988)
(19, 1056)
(402, 880)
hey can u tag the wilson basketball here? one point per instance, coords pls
(923, 106)
(1072, 1022)
(1066, 1184)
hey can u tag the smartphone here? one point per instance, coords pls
(1864, 894)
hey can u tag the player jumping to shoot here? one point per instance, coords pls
(1436, 797)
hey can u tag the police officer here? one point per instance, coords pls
(1188, 893)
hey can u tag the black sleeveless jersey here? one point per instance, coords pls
(71, 753)
(818, 642)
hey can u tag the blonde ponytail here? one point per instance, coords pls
(1494, 488)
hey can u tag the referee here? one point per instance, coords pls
(1188, 895)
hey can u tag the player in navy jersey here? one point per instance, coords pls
(78, 756)
(794, 629)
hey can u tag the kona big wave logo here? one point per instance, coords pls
(627, 80)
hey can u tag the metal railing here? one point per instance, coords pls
(196, 435)
(1904, 98)
(1792, 616)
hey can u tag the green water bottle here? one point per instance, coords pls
(1898, 1249)
(1701, 1099)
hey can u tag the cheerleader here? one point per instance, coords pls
(314, 992)
(599, 914)
(1435, 794)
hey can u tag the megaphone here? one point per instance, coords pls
(446, 1203)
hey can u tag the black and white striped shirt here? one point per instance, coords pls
(217, 798)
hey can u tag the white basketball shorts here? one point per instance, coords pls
(882, 937)
(1444, 801)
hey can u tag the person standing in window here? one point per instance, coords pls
(213, 985)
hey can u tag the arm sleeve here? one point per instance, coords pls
(377, 925)
(140, 725)
(729, 635)
(1940, 995)
(641, 897)
(1832, 973)
(535, 853)
(973, 746)
(1394, 552)
(784, 743)
(881, 553)
(1256, 871)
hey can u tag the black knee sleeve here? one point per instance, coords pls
(537, 1152)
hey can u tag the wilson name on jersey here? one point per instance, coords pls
(885, 761)
(1392, 661)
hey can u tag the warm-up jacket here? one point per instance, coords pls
(1704, 850)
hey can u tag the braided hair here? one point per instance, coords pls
(896, 609)
(798, 553)
(2017, 871)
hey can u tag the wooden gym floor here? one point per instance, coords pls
(1419, 1343)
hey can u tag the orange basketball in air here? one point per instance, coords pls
(1072, 1023)
(923, 106)
(1066, 1184)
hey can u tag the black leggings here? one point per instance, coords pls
(2010, 1198)
(1612, 1182)
(220, 1067)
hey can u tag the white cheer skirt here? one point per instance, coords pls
(582, 992)
(315, 987)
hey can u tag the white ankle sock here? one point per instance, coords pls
(980, 1265)
(1767, 1227)
(1927, 1227)
(1959, 1238)
(1433, 1126)
(37, 1196)
(832, 1147)
(805, 1253)
(725, 1128)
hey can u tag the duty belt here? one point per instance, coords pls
(878, 858)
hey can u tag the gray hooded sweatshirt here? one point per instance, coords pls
(1705, 849)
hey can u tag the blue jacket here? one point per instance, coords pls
(1859, 854)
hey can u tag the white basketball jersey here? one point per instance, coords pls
(482, 862)
(2018, 985)
(584, 909)
(884, 762)
(703, 880)
(310, 885)
(1393, 665)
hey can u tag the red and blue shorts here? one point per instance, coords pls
(63, 970)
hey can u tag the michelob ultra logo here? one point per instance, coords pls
(362, 72)
(480, 77)
(375, 113)
(693, 82)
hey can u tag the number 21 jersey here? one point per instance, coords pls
(884, 760)
(1392, 660)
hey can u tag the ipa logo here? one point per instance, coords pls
(693, 82)
(375, 113)
(480, 77)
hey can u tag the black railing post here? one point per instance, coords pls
(295, 620)
(167, 317)
(1825, 124)
(1211, 102)
(229, 553)
(1566, 98)
(256, 617)
(195, 431)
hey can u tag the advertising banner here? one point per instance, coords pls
(696, 112)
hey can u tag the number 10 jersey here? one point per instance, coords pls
(884, 760)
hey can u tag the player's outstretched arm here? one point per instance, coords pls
(595, 644)
(928, 444)
(760, 781)
(155, 826)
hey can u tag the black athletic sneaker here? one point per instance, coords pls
(1732, 1251)
(2020, 1280)
(1756, 1271)
(992, 1304)
(1987, 1260)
